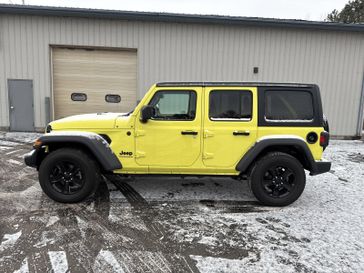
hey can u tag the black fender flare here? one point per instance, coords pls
(95, 144)
(267, 142)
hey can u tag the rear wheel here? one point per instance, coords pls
(278, 179)
(68, 175)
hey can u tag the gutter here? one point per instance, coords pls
(175, 17)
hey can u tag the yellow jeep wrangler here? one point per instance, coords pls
(266, 133)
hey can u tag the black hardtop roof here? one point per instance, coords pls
(232, 84)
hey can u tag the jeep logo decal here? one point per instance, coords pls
(126, 154)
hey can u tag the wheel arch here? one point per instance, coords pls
(294, 146)
(92, 143)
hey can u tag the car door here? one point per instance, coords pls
(230, 125)
(172, 137)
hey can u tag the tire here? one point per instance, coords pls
(277, 179)
(68, 175)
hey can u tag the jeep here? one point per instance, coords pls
(268, 134)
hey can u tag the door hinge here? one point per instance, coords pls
(207, 155)
(139, 133)
(207, 133)
(139, 154)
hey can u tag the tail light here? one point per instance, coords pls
(324, 139)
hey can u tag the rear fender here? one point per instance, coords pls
(289, 142)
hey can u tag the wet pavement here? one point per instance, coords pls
(164, 224)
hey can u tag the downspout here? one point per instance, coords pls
(361, 112)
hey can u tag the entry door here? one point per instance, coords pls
(229, 125)
(172, 138)
(21, 105)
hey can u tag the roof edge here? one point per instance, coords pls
(233, 84)
(175, 17)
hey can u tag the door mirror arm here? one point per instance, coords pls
(147, 112)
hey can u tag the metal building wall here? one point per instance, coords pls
(192, 52)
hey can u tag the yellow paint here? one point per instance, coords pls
(158, 147)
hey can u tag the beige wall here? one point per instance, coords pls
(193, 52)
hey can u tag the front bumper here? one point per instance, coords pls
(30, 158)
(319, 167)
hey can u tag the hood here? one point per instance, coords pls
(88, 121)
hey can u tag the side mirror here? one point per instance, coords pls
(146, 113)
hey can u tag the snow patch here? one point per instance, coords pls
(106, 262)
(19, 137)
(52, 220)
(82, 226)
(47, 238)
(24, 268)
(12, 161)
(59, 261)
(10, 240)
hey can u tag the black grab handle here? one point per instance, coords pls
(241, 133)
(189, 133)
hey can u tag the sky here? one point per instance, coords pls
(315, 10)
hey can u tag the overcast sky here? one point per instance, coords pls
(292, 9)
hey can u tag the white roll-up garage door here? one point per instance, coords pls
(93, 80)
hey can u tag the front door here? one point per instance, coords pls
(21, 105)
(229, 125)
(172, 138)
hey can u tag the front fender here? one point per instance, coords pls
(93, 142)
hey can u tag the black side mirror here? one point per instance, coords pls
(146, 113)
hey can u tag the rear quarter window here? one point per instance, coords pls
(288, 106)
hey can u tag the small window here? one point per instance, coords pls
(112, 98)
(234, 105)
(78, 97)
(289, 105)
(174, 105)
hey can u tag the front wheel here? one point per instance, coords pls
(68, 175)
(277, 179)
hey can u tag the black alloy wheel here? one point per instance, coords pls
(277, 179)
(69, 175)
(66, 177)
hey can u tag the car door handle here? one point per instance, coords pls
(241, 133)
(189, 133)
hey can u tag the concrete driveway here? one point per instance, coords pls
(182, 225)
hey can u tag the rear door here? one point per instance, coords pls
(230, 125)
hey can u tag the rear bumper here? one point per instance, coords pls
(319, 167)
(30, 158)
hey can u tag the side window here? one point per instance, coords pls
(174, 105)
(235, 105)
(288, 105)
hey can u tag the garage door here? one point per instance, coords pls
(89, 81)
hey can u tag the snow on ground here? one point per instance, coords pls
(18, 137)
(9, 240)
(183, 225)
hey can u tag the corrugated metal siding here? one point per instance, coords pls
(193, 52)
